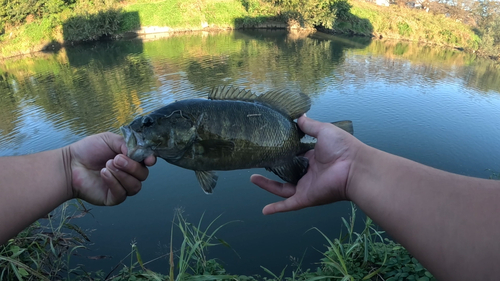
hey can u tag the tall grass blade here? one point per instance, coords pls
(270, 273)
(14, 269)
(171, 259)
(138, 256)
(18, 264)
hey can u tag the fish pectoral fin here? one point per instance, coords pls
(170, 154)
(291, 172)
(207, 180)
(345, 125)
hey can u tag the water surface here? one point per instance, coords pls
(435, 106)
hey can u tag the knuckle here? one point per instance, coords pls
(134, 188)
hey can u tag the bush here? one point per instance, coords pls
(317, 13)
(92, 26)
(308, 13)
(16, 12)
(342, 9)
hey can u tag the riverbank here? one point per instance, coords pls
(351, 256)
(143, 17)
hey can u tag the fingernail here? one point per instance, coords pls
(120, 161)
(105, 172)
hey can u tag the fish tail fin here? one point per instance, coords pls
(345, 125)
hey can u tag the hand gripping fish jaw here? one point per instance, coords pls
(137, 149)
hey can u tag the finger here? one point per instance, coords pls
(310, 126)
(128, 182)
(277, 188)
(115, 142)
(115, 193)
(289, 204)
(131, 167)
(309, 155)
(150, 160)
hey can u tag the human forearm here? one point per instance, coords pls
(31, 187)
(94, 169)
(441, 218)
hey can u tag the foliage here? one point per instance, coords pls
(404, 29)
(482, 16)
(361, 256)
(192, 258)
(398, 22)
(366, 255)
(80, 20)
(342, 9)
(15, 12)
(87, 27)
(43, 250)
(190, 262)
(309, 13)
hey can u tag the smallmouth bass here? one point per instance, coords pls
(232, 129)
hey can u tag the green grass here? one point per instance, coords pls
(224, 14)
(44, 251)
(24, 38)
(166, 13)
(188, 14)
(414, 25)
(367, 19)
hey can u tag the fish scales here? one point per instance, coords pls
(261, 135)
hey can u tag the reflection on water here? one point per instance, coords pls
(436, 106)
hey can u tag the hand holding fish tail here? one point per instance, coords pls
(436, 215)
(101, 173)
(326, 180)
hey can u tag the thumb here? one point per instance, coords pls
(115, 142)
(309, 126)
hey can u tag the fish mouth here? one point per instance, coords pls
(137, 149)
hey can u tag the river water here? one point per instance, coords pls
(439, 107)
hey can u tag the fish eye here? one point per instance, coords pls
(147, 121)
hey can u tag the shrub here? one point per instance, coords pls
(92, 26)
(16, 12)
(342, 9)
(308, 13)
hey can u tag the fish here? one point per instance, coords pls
(233, 129)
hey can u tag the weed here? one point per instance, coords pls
(361, 256)
(43, 250)
(404, 29)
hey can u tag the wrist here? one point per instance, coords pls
(66, 158)
(359, 173)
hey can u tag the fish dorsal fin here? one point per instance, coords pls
(231, 93)
(294, 104)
